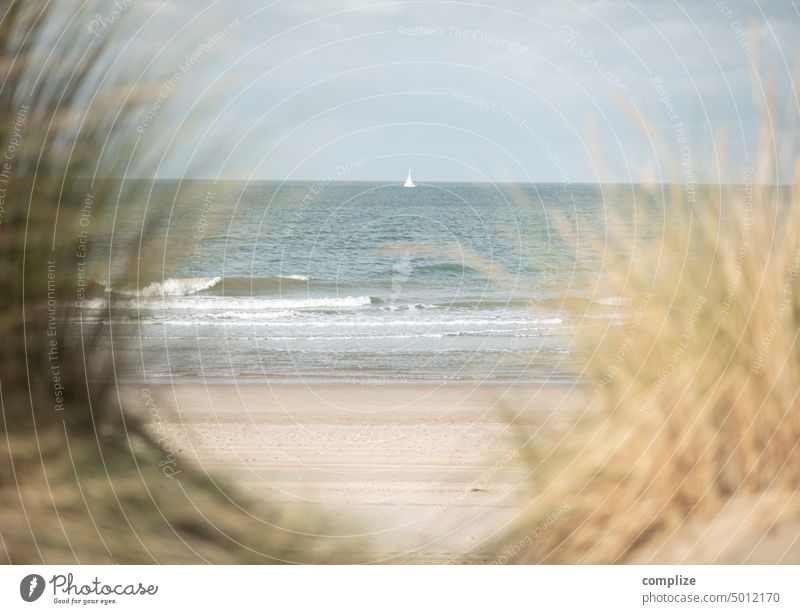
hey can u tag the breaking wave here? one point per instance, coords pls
(217, 285)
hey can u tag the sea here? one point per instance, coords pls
(345, 282)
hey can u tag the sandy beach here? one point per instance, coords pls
(428, 473)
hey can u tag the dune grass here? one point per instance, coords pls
(689, 451)
(80, 480)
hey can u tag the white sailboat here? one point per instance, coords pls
(409, 181)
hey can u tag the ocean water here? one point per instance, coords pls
(331, 281)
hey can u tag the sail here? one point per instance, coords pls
(409, 182)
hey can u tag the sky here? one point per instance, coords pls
(603, 91)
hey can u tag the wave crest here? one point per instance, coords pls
(187, 286)
(179, 286)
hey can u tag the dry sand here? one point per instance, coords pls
(430, 473)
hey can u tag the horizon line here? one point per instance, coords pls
(419, 183)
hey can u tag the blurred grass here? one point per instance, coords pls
(689, 451)
(72, 488)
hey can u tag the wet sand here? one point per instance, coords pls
(429, 473)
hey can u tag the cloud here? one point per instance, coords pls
(337, 71)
